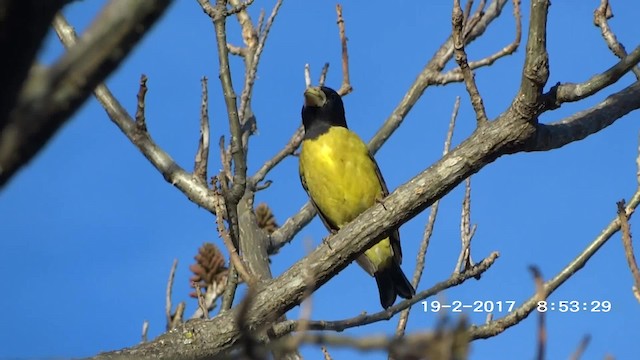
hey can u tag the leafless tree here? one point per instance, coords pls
(37, 100)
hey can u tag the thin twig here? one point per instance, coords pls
(364, 319)
(236, 50)
(307, 75)
(541, 296)
(455, 74)
(466, 231)
(202, 154)
(600, 17)
(461, 59)
(260, 25)
(498, 326)
(345, 88)
(241, 7)
(230, 289)
(252, 65)
(288, 149)
(325, 353)
(428, 230)
(201, 302)
(168, 306)
(233, 195)
(582, 347)
(467, 10)
(231, 248)
(145, 330)
(628, 243)
(142, 92)
(170, 170)
(323, 74)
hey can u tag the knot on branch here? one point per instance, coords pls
(209, 268)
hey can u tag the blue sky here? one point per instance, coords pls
(90, 228)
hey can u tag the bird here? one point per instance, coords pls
(343, 180)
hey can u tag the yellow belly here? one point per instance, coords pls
(343, 182)
(339, 174)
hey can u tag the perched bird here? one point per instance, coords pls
(343, 180)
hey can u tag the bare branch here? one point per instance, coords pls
(237, 151)
(323, 74)
(238, 8)
(325, 353)
(466, 231)
(600, 17)
(441, 344)
(289, 149)
(536, 65)
(364, 319)
(231, 248)
(168, 306)
(23, 32)
(581, 348)
(570, 92)
(141, 124)
(542, 328)
(428, 231)
(498, 326)
(230, 289)
(291, 226)
(461, 59)
(307, 75)
(170, 170)
(628, 243)
(455, 74)
(145, 330)
(252, 64)
(202, 154)
(587, 122)
(50, 96)
(428, 76)
(345, 88)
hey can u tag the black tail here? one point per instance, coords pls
(392, 282)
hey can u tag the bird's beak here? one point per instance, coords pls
(315, 97)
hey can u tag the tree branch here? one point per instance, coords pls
(172, 172)
(584, 123)
(536, 65)
(426, 78)
(570, 92)
(498, 326)
(50, 96)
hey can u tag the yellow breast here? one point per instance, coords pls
(340, 175)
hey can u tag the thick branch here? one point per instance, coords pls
(584, 123)
(23, 27)
(536, 66)
(570, 92)
(50, 96)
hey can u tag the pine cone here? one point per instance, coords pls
(266, 219)
(208, 269)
